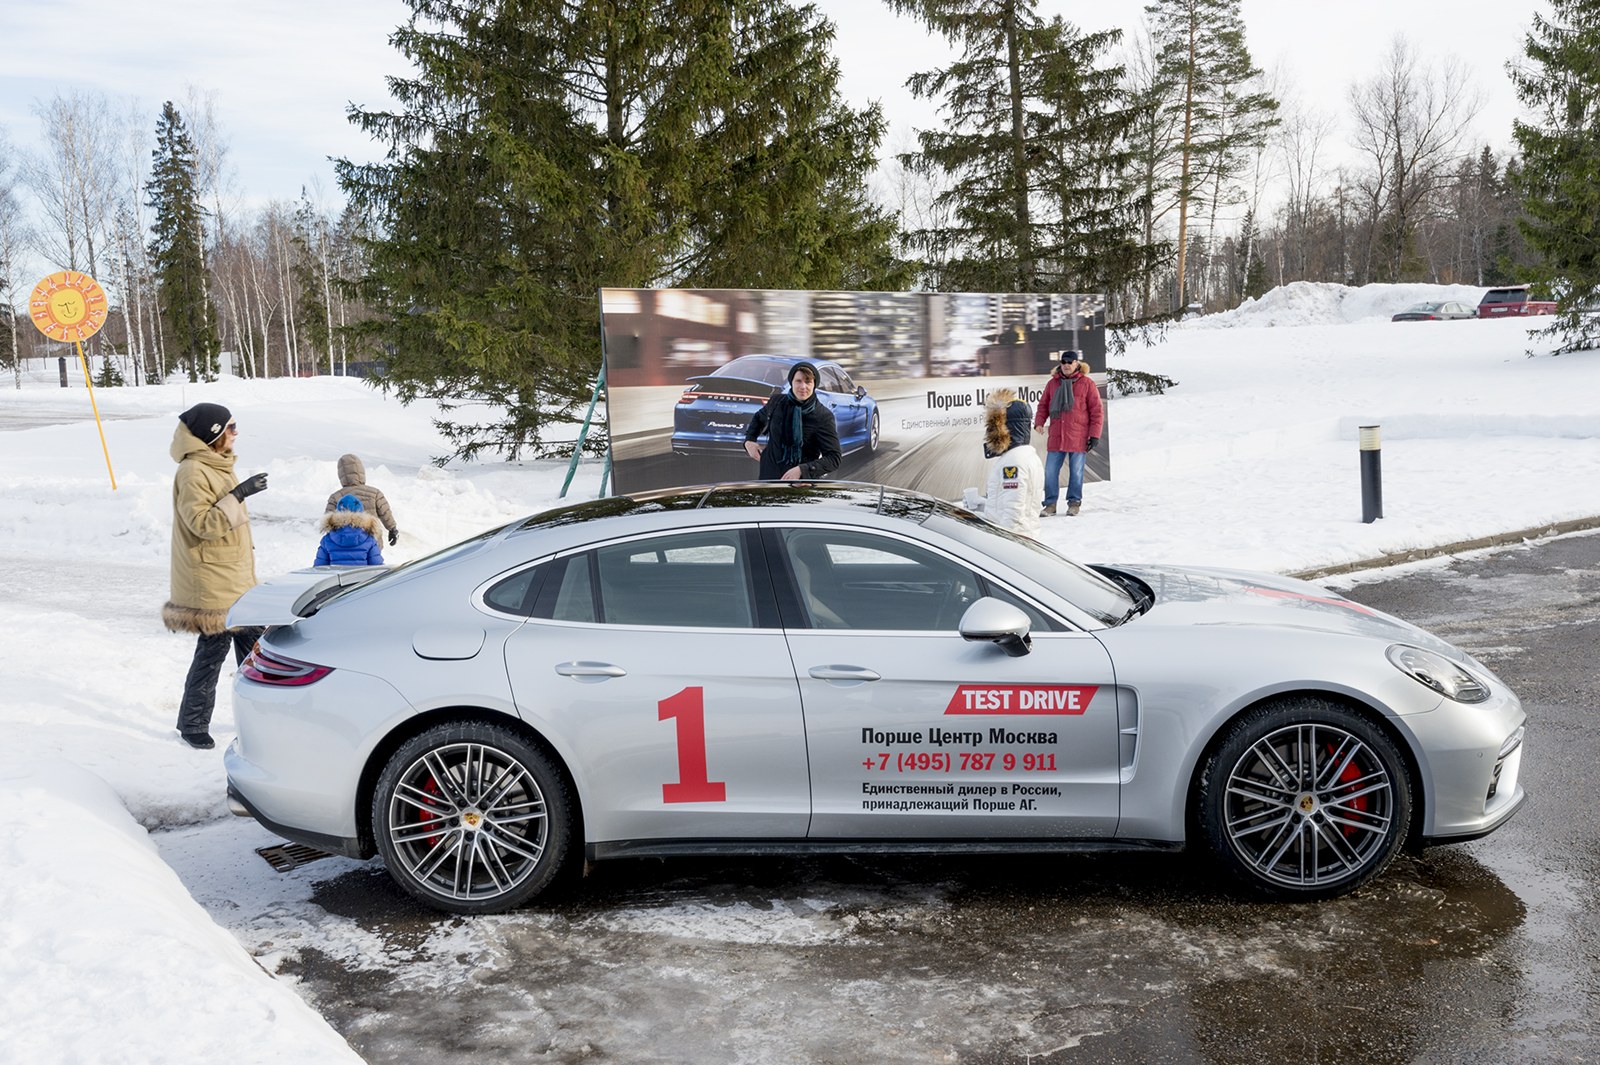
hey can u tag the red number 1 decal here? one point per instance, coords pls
(689, 707)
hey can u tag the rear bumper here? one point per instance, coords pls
(344, 845)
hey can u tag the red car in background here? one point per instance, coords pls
(1512, 300)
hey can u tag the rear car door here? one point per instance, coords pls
(658, 668)
(915, 732)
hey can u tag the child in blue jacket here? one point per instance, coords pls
(350, 537)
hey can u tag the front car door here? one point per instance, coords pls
(849, 416)
(915, 732)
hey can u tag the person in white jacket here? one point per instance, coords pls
(1016, 473)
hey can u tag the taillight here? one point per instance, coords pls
(281, 672)
(688, 397)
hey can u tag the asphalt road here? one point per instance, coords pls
(1482, 952)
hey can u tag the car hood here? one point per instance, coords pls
(1210, 596)
(285, 599)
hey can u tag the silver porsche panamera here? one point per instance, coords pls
(833, 667)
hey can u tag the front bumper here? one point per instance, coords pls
(1471, 760)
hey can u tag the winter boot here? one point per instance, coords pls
(1048, 511)
(1072, 508)
(201, 741)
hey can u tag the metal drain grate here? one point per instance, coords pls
(286, 856)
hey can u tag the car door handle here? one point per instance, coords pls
(855, 673)
(594, 670)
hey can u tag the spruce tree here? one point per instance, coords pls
(1559, 176)
(1035, 158)
(176, 251)
(543, 151)
(1219, 117)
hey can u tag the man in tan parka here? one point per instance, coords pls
(213, 557)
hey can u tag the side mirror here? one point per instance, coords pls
(861, 391)
(991, 621)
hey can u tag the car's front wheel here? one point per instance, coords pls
(872, 433)
(1305, 799)
(472, 818)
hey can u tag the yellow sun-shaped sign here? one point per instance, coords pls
(68, 306)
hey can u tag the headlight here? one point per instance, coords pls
(1447, 678)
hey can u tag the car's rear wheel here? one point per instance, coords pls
(1305, 799)
(471, 818)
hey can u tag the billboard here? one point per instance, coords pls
(905, 374)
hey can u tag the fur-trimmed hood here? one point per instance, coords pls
(360, 519)
(1006, 422)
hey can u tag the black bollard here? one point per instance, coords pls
(62, 359)
(1371, 474)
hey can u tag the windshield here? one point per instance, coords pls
(770, 369)
(1082, 587)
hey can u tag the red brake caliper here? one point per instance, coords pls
(1351, 772)
(432, 788)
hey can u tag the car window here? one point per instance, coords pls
(567, 592)
(830, 380)
(514, 595)
(1504, 295)
(858, 580)
(1085, 589)
(771, 371)
(685, 580)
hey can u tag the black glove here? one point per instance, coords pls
(394, 537)
(1093, 440)
(249, 487)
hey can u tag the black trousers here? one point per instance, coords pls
(200, 687)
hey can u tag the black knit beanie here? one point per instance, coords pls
(207, 421)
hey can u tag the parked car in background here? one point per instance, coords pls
(1511, 300)
(714, 410)
(1437, 311)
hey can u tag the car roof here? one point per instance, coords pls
(788, 360)
(838, 496)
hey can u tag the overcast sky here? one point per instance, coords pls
(283, 71)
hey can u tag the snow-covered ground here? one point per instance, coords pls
(1250, 461)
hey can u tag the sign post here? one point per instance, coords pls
(69, 305)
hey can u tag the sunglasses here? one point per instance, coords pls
(233, 427)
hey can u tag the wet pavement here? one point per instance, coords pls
(1481, 952)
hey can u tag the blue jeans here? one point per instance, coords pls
(1052, 475)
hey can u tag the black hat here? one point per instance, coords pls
(207, 421)
(808, 368)
(1071, 355)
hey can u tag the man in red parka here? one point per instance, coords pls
(1071, 404)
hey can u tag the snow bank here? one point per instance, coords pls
(1327, 303)
(104, 956)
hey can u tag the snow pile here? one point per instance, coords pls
(1326, 303)
(106, 957)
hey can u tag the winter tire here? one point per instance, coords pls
(1305, 799)
(472, 818)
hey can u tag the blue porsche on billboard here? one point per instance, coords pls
(715, 409)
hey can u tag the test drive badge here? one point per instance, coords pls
(1021, 698)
